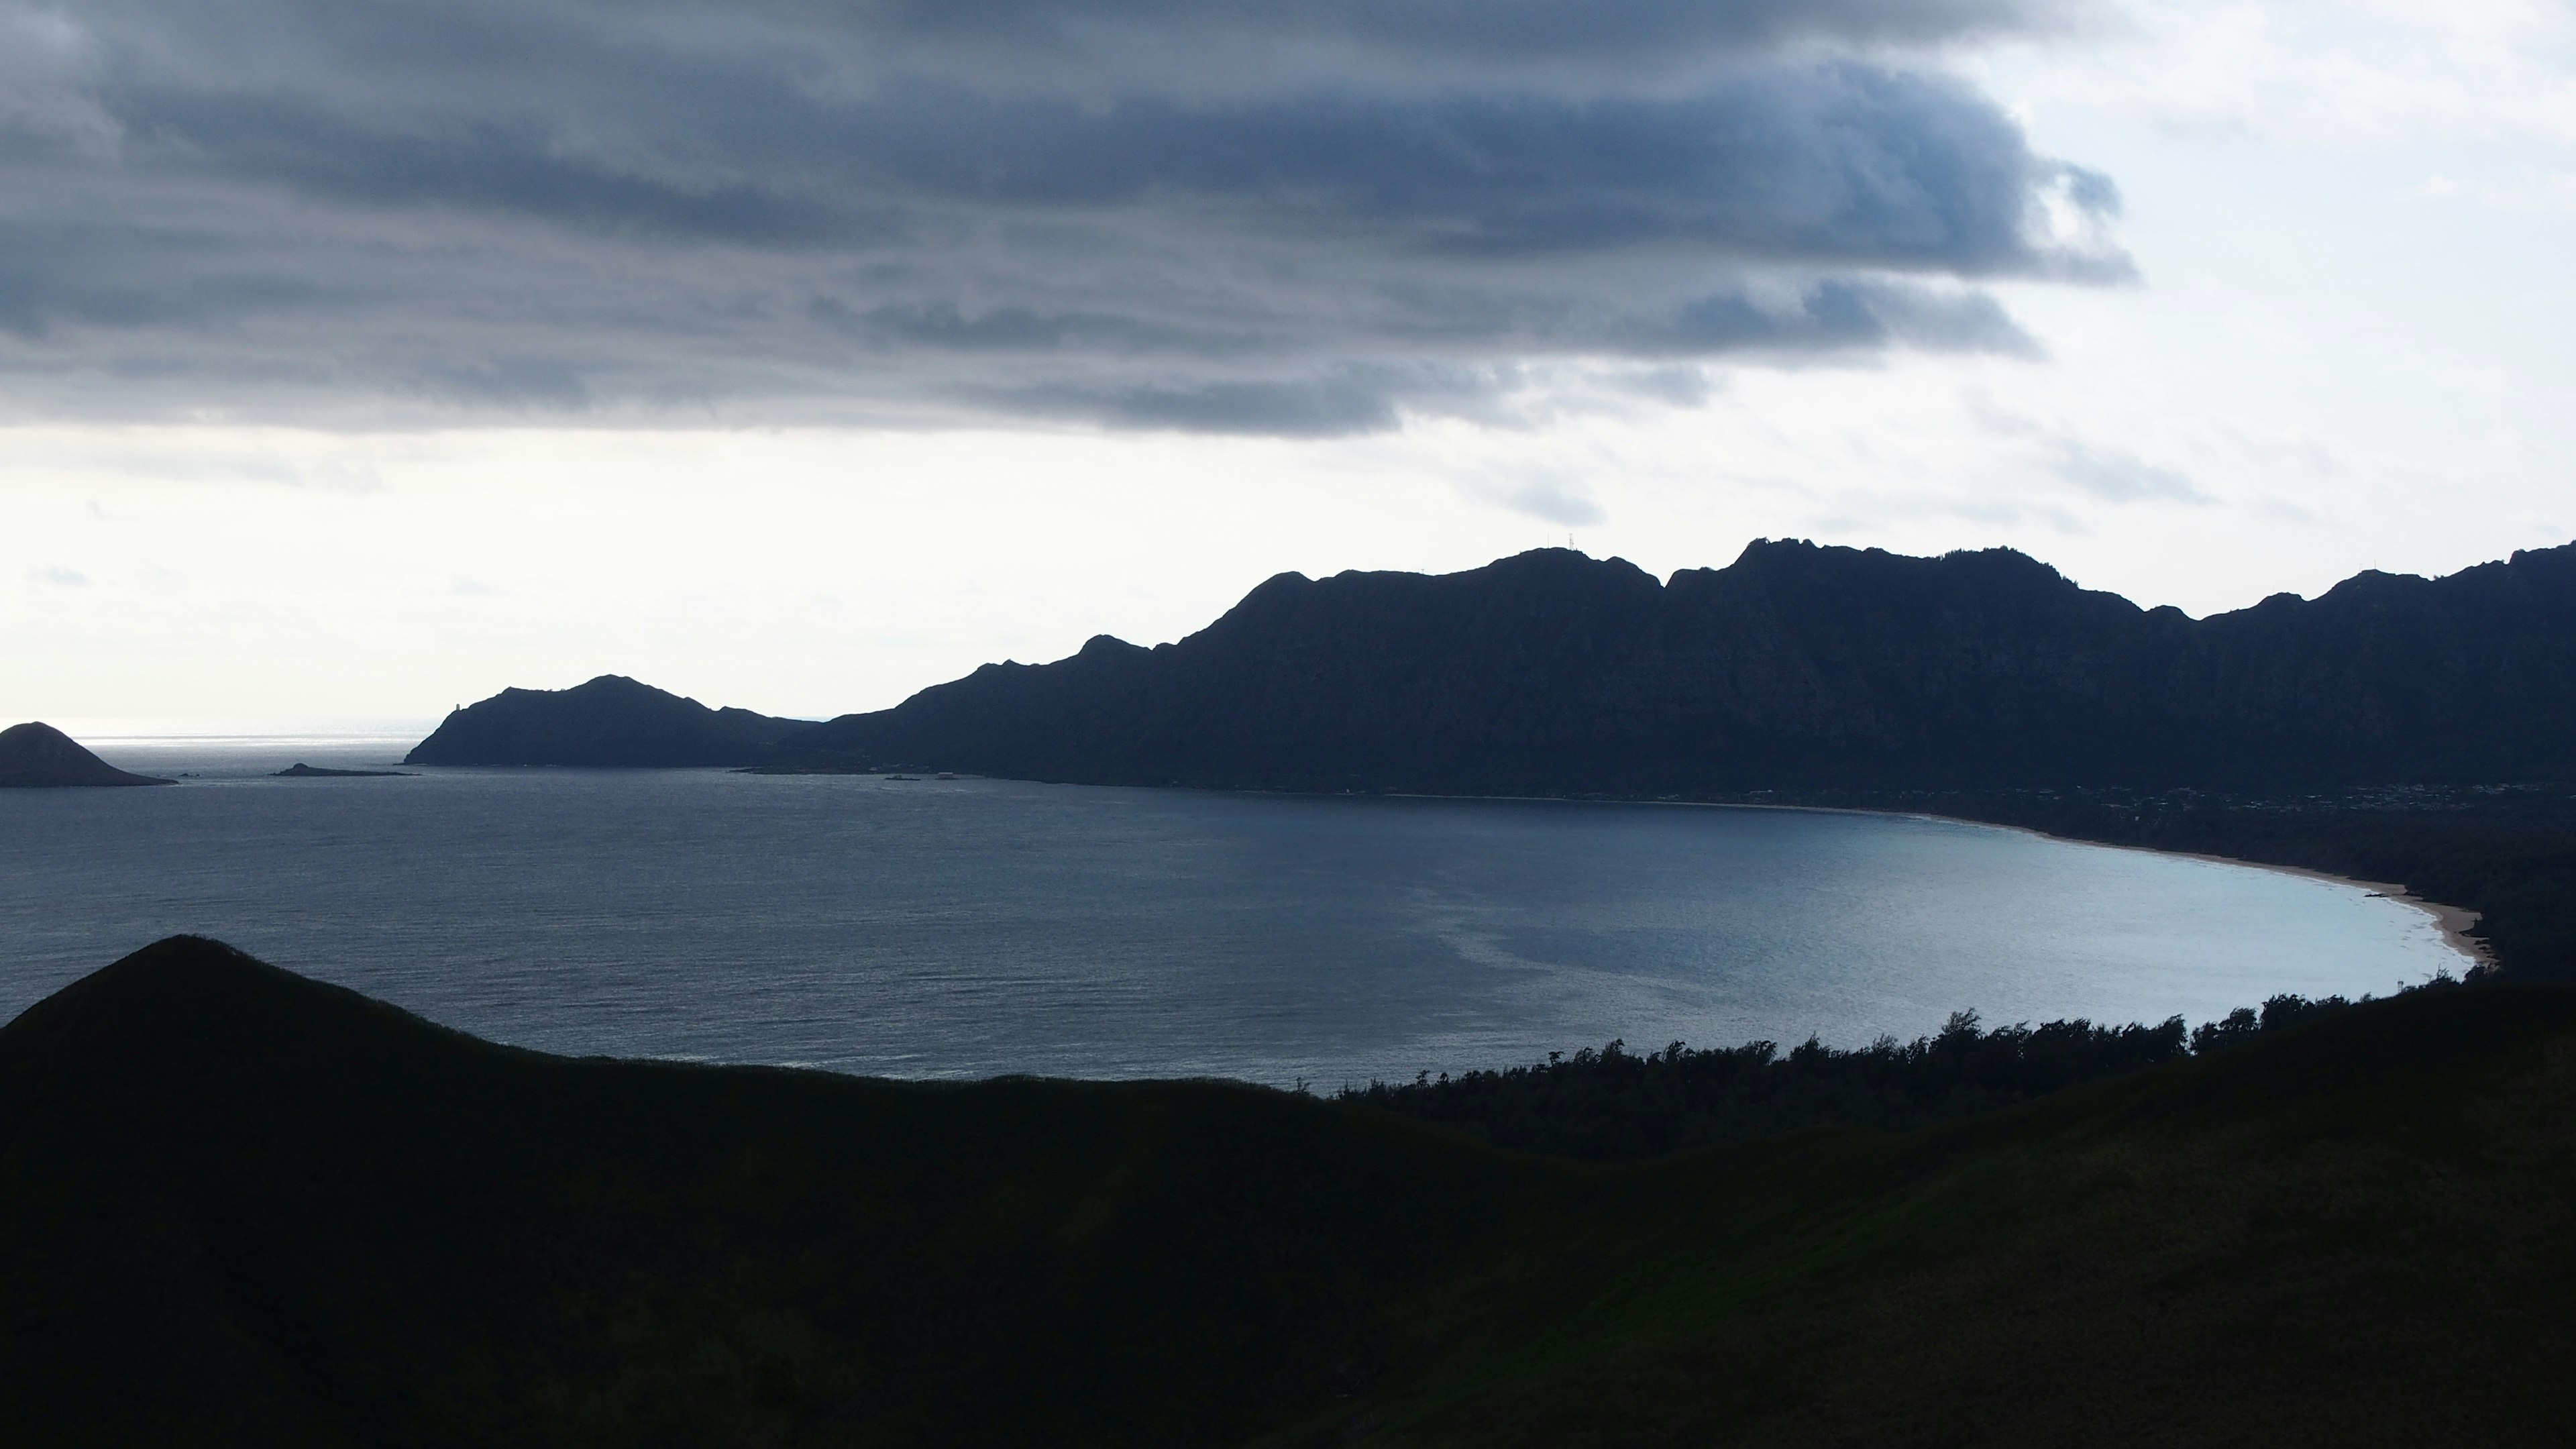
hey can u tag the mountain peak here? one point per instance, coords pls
(1110, 646)
(610, 720)
(1798, 666)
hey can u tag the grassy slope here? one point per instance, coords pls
(238, 1206)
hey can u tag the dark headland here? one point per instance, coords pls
(1795, 668)
(242, 1207)
(2394, 728)
(301, 771)
(35, 755)
(611, 721)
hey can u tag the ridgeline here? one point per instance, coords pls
(2395, 728)
(612, 721)
(1796, 668)
(241, 1207)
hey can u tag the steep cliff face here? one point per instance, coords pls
(610, 721)
(2464, 677)
(1797, 665)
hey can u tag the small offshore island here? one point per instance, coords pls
(302, 771)
(38, 756)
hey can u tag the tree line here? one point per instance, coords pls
(1615, 1103)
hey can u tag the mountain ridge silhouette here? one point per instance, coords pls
(1795, 667)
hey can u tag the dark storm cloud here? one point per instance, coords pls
(518, 168)
(1833, 314)
(1191, 214)
(1345, 401)
(1487, 28)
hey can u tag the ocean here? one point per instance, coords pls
(968, 928)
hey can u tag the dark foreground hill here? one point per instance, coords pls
(1796, 667)
(241, 1207)
(35, 755)
(610, 721)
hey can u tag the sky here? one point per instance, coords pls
(359, 361)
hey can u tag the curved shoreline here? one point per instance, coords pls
(2453, 923)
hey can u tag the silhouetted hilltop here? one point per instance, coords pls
(38, 755)
(610, 721)
(1797, 666)
(241, 1207)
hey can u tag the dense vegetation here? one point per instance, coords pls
(2508, 852)
(241, 1207)
(1614, 1103)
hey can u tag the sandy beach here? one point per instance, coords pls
(2454, 922)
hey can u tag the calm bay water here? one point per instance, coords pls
(972, 927)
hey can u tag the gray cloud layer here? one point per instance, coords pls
(1207, 214)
